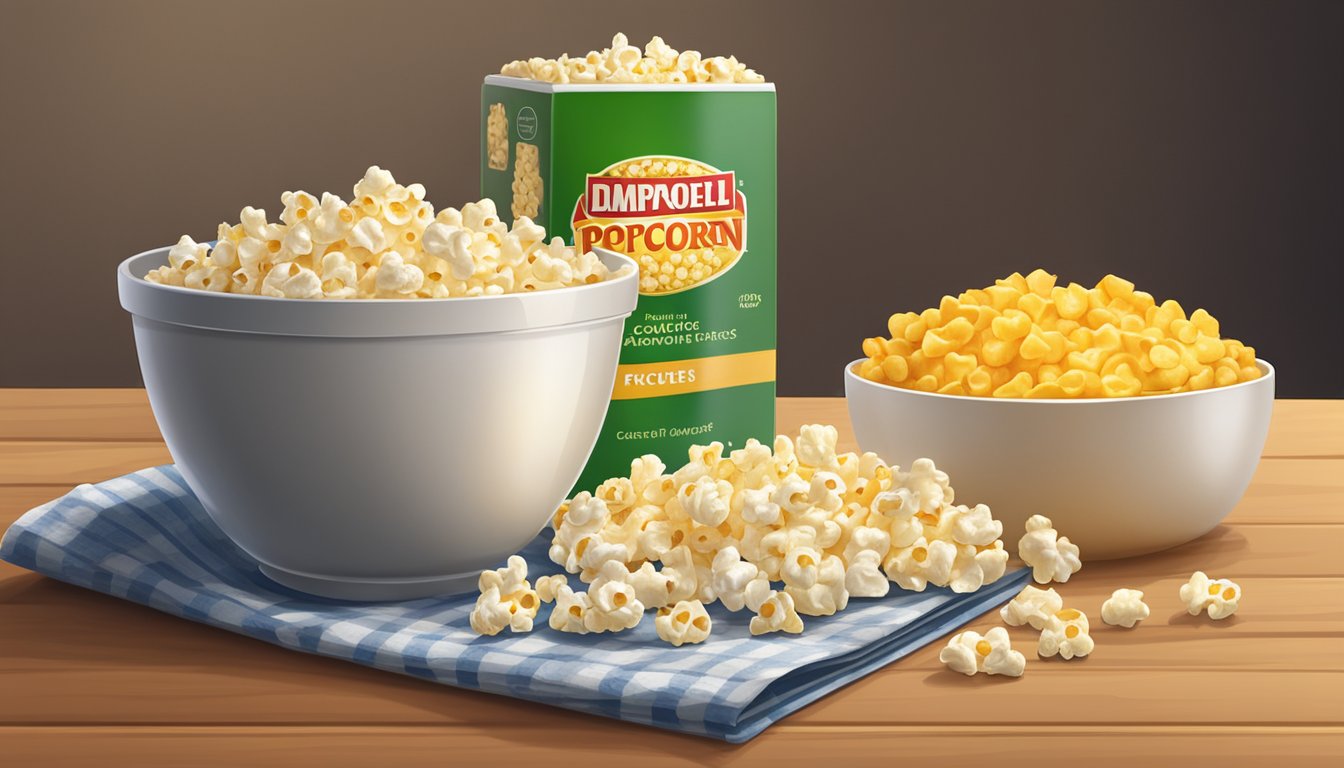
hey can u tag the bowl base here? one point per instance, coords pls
(372, 590)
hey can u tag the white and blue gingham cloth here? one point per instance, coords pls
(144, 537)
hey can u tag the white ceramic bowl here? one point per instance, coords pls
(1119, 477)
(378, 449)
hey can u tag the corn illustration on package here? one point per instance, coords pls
(678, 174)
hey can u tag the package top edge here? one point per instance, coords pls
(538, 86)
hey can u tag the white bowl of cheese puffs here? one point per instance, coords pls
(1133, 426)
(373, 400)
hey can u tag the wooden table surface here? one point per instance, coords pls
(90, 679)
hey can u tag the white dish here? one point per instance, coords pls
(1119, 477)
(375, 449)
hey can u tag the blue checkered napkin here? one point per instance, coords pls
(144, 537)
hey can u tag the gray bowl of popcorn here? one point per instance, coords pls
(373, 401)
(1139, 429)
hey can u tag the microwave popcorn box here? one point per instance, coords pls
(682, 179)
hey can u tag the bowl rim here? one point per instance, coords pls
(851, 373)
(124, 268)
(374, 318)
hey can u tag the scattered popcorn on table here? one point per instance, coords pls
(1028, 337)
(1066, 634)
(1051, 557)
(625, 63)
(783, 531)
(1219, 597)
(507, 600)
(1124, 608)
(1032, 606)
(970, 652)
(685, 622)
(387, 243)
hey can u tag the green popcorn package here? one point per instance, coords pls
(679, 174)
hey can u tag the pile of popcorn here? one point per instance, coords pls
(625, 63)
(797, 531)
(386, 243)
(1066, 632)
(787, 532)
(1028, 337)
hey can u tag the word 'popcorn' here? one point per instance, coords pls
(624, 63)
(386, 243)
(787, 532)
(1219, 597)
(1028, 337)
(992, 653)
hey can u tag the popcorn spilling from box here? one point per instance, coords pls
(784, 532)
(386, 243)
(1027, 337)
(658, 62)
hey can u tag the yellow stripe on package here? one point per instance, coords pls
(669, 157)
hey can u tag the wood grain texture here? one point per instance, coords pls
(1224, 746)
(60, 462)
(90, 679)
(76, 414)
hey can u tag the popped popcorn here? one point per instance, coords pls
(1028, 337)
(826, 594)
(570, 613)
(736, 583)
(1051, 557)
(624, 63)
(506, 600)
(783, 530)
(493, 613)
(970, 652)
(613, 605)
(547, 587)
(1124, 608)
(685, 622)
(1032, 606)
(1066, 633)
(388, 243)
(497, 138)
(527, 182)
(1219, 597)
(777, 614)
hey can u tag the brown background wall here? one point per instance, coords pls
(1192, 147)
